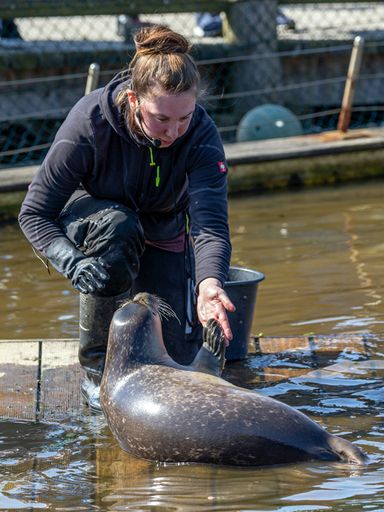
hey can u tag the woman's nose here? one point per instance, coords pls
(172, 130)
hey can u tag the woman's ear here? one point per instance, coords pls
(132, 99)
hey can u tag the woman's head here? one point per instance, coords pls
(162, 61)
(164, 85)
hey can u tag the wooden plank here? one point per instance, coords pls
(312, 344)
(318, 349)
(273, 374)
(273, 345)
(356, 343)
(18, 380)
(60, 381)
(346, 370)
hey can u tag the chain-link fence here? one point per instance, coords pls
(313, 22)
(298, 59)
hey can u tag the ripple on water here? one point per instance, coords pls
(45, 466)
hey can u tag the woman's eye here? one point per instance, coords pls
(165, 120)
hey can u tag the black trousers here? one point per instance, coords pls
(100, 227)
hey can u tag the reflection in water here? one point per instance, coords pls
(38, 458)
(361, 271)
(312, 247)
(321, 252)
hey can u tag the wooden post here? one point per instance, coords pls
(92, 78)
(353, 71)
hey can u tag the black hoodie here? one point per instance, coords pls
(94, 149)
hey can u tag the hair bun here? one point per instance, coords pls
(160, 39)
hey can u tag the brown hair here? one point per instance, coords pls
(162, 60)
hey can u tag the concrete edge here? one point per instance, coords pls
(255, 166)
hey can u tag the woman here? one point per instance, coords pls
(132, 197)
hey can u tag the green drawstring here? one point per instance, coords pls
(158, 176)
(187, 223)
(152, 163)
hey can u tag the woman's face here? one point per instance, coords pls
(166, 116)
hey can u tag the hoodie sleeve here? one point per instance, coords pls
(70, 157)
(208, 204)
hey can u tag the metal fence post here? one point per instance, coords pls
(92, 78)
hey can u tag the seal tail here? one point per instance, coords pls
(347, 451)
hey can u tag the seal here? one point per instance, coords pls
(162, 411)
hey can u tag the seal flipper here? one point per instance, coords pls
(211, 357)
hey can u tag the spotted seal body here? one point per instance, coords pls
(162, 411)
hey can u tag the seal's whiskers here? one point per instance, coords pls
(165, 310)
(155, 304)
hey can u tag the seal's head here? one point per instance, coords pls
(157, 306)
(135, 333)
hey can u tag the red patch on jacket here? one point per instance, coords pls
(222, 166)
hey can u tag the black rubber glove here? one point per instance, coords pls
(87, 273)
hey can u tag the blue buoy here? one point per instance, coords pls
(268, 122)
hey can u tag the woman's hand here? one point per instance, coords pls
(213, 302)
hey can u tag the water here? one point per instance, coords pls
(322, 254)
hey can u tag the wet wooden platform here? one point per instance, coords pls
(40, 378)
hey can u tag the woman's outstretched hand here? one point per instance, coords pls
(213, 302)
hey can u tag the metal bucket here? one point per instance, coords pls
(241, 288)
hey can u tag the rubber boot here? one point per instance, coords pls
(95, 317)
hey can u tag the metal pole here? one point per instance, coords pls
(92, 78)
(349, 89)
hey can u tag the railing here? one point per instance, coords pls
(29, 8)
